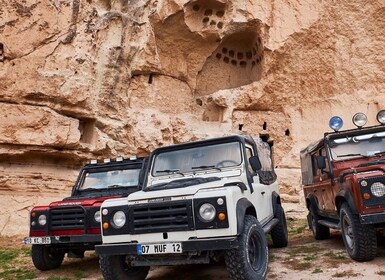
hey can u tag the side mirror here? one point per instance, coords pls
(321, 162)
(255, 163)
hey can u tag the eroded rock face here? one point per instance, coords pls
(101, 78)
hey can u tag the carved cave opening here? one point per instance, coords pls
(237, 61)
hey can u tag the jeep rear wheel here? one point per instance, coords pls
(360, 240)
(320, 232)
(249, 261)
(279, 233)
(117, 268)
(46, 257)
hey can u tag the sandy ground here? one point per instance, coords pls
(305, 258)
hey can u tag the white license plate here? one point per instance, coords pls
(162, 248)
(37, 240)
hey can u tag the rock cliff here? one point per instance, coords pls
(83, 79)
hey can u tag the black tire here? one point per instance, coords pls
(279, 233)
(249, 261)
(320, 232)
(360, 240)
(46, 257)
(116, 268)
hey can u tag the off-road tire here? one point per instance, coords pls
(252, 251)
(46, 257)
(116, 268)
(279, 233)
(360, 240)
(320, 232)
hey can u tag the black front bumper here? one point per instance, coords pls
(76, 239)
(377, 218)
(187, 246)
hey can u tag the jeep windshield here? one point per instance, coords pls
(365, 145)
(109, 179)
(194, 160)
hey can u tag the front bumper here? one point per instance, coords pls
(72, 239)
(376, 218)
(187, 246)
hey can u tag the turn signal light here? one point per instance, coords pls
(366, 196)
(221, 216)
(106, 225)
(33, 214)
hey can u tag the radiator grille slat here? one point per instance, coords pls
(67, 218)
(161, 217)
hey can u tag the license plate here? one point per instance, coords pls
(37, 240)
(162, 248)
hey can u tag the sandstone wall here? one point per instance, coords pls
(83, 79)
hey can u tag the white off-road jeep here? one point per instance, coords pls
(200, 200)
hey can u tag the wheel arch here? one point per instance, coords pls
(345, 195)
(244, 207)
(276, 200)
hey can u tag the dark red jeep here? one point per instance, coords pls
(73, 225)
(343, 177)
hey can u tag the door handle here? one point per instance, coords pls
(262, 193)
(323, 190)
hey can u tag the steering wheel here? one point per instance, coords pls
(222, 163)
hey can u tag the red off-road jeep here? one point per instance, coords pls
(343, 177)
(73, 225)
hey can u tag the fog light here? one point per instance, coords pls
(381, 117)
(360, 120)
(336, 123)
(106, 225)
(221, 216)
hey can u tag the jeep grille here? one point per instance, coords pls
(373, 201)
(67, 218)
(161, 217)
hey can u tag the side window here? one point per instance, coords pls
(314, 164)
(249, 153)
(323, 153)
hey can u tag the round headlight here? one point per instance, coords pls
(42, 220)
(360, 120)
(207, 212)
(378, 189)
(381, 117)
(97, 216)
(336, 123)
(119, 219)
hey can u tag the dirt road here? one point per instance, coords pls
(305, 258)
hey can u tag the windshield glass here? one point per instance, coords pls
(365, 145)
(110, 179)
(198, 158)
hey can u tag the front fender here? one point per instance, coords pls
(346, 195)
(244, 206)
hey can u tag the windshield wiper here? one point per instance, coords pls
(117, 186)
(206, 167)
(168, 171)
(352, 155)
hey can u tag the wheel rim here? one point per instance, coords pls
(255, 252)
(348, 231)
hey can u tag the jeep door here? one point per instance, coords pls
(262, 195)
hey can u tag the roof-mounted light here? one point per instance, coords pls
(107, 160)
(359, 120)
(336, 123)
(94, 161)
(119, 159)
(381, 117)
(133, 157)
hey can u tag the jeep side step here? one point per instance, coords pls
(329, 224)
(269, 226)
